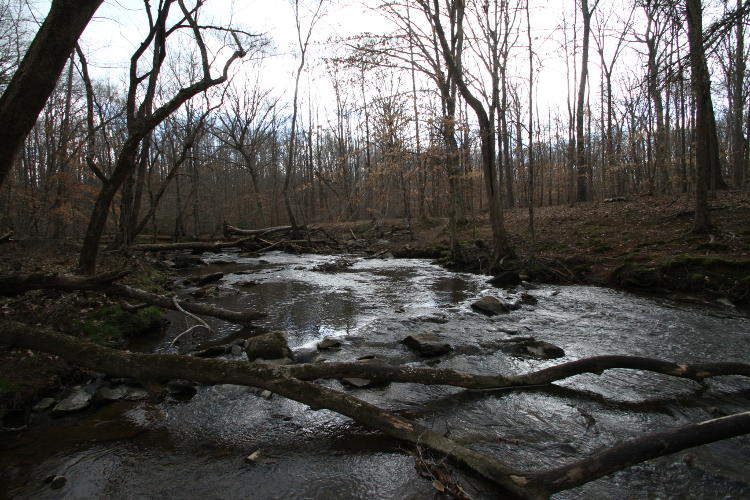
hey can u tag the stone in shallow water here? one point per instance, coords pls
(491, 306)
(538, 349)
(272, 345)
(77, 400)
(427, 344)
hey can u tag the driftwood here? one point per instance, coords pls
(205, 246)
(286, 381)
(18, 284)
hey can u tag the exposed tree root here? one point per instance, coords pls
(283, 381)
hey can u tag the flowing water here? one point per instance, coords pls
(195, 449)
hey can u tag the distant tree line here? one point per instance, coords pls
(439, 117)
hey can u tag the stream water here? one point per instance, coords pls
(196, 448)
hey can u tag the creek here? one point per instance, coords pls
(196, 448)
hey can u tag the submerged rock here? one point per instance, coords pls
(335, 266)
(272, 345)
(491, 306)
(427, 344)
(77, 400)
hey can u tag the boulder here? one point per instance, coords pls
(329, 343)
(505, 279)
(77, 400)
(491, 306)
(272, 345)
(427, 344)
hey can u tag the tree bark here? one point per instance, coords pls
(706, 156)
(38, 72)
(582, 165)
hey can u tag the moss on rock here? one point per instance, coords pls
(111, 325)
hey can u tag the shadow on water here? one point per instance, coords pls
(196, 448)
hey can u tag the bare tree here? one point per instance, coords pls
(582, 165)
(36, 76)
(142, 117)
(456, 10)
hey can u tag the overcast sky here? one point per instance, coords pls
(120, 24)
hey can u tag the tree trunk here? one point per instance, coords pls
(581, 157)
(706, 141)
(37, 74)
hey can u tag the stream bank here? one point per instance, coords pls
(197, 447)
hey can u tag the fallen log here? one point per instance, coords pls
(228, 230)
(7, 237)
(441, 376)
(18, 284)
(205, 246)
(520, 484)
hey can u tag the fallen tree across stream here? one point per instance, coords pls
(289, 381)
(105, 283)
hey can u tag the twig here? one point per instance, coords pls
(201, 323)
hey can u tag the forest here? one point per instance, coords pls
(153, 153)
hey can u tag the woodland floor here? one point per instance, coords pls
(630, 244)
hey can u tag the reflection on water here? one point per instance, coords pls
(196, 449)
